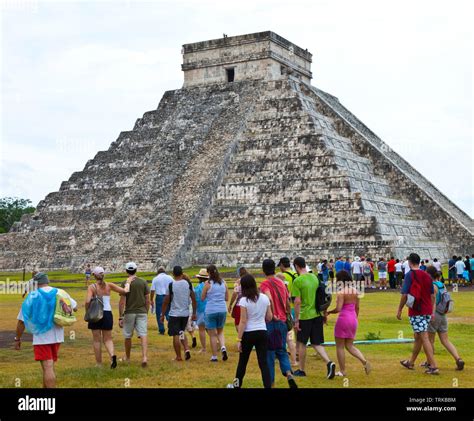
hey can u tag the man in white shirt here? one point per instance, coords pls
(460, 267)
(159, 287)
(356, 269)
(46, 344)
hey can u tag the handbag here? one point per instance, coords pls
(289, 319)
(95, 311)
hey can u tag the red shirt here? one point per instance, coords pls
(279, 306)
(391, 265)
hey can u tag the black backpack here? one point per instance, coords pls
(323, 298)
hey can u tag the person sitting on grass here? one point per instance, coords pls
(37, 316)
(255, 310)
(102, 330)
(420, 286)
(347, 305)
(180, 293)
(439, 324)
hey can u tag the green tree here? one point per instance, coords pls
(11, 210)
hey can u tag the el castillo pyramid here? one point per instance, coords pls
(246, 160)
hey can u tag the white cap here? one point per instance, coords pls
(97, 270)
(131, 266)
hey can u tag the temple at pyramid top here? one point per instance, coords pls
(262, 55)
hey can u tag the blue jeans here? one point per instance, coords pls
(279, 353)
(158, 306)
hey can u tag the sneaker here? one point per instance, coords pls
(114, 362)
(213, 359)
(230, 386)
(380, 288)
(432, 370)
(224, 354)
(299, 373)
(187, 355)
(331, 370)
(194, 345)
(459, 364)
(291, 382)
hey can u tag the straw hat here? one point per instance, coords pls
(202, 274)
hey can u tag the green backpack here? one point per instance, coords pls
(64, 313)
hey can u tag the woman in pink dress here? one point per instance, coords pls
(347, 305)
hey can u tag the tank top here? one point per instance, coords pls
(106, 300)
(216, 298)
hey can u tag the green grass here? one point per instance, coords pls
(76, 367)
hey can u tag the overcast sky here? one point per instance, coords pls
(75, 74)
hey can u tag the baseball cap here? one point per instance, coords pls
(285, 261)
(97, 270)
(131, 266)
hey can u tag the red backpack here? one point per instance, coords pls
(415, 291)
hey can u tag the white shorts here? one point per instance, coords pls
(383, 275)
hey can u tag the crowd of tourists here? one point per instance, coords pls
(278, 318)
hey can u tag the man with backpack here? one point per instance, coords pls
(179, 295)
(418, 294)
(308, 319)
(439, 324)
(37, 315)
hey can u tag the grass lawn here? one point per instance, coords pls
(76, 366)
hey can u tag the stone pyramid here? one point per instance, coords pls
(247, 160)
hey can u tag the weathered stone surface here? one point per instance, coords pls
(233, 172)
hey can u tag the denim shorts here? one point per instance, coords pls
(215, 320)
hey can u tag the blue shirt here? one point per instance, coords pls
(339, 265)
(200, 305)
(347, 266)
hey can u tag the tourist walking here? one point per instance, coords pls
(419, 286)
(347, 306)
(133, 311)
(179, 296)
(391, 273)
(37, 316)
(234, 309)
(398, 273)
(88, 273)
(348, 266)
(102, 329)
(289, 275)
(439, 323)
(356, 268)
(460, 267)
(308, 321)
(252, 332)
(202, 277)
(437, 266)
(382, 270)
(452, 269)
(279, 297)
(216, 293)
(159, 287)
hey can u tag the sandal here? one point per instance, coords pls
(340, 374)
(407, 364)
(425, 364)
